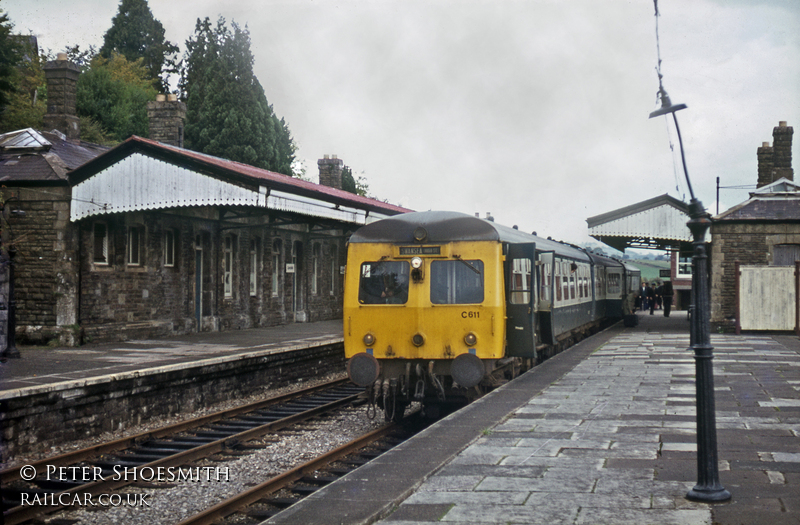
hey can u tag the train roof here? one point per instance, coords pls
(449, 226)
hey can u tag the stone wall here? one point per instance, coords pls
(37, 418)
(749, 243)
(120, 301)
(46, 278)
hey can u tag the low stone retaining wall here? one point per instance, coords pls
(34, 419)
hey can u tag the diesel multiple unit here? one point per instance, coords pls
(442, 306)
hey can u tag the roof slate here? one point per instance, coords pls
(30, 156)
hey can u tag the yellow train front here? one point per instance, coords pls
(425, 309)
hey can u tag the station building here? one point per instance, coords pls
(754, 251)
(149, 239)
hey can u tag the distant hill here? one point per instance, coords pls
(650, 269)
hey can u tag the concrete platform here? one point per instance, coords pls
(602, 433)
(47, 366)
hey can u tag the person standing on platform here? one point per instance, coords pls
(643, 296)
(651, 297)
(667, 298)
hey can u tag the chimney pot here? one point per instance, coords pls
(765, 144)
(782, 124)
(161, 97)
(62, 56)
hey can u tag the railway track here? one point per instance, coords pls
(260, 502)
(60, 482)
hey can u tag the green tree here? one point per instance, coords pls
(227, 113)
(352, 184)
(114, 94)
(9, 58)
(135, 33)
(27, 102)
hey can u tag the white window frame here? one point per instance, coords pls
(253, 267)
(683, 264)
(134, 253)
(315, 269)
(277, 245)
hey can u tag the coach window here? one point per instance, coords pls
(557, 271)
(457, 282)
(519, 286)
(383, 282)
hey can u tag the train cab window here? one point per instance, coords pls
(456, 282)
(384, 282)
(519, 286)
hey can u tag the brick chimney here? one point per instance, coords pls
(782, 146)
(62, 84)
(167, 116)
(765, 164)
(330, 171)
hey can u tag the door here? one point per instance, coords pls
(521, 300)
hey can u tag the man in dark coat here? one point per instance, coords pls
(667, 298)
(651, 297)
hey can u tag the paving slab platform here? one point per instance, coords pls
(47, 367)
(603, 433)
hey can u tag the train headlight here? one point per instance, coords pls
(369, 339)
(416, 263)
(418, 340)
(470, 339)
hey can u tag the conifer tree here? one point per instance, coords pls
(227, 113)
(9, 57)
(135, 33)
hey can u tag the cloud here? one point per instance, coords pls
(535, 110)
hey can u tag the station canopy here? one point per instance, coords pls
(657, 223)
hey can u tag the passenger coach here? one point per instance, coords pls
(443, 306)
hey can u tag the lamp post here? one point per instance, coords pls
(708, 488)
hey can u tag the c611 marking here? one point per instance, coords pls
(470, 315)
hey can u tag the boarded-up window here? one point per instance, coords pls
(785, 254)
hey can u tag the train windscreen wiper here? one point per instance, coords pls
(459, 259)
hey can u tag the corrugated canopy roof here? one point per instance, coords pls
(657, 223)
(142, 174)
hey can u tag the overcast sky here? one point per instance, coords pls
(533, 110)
